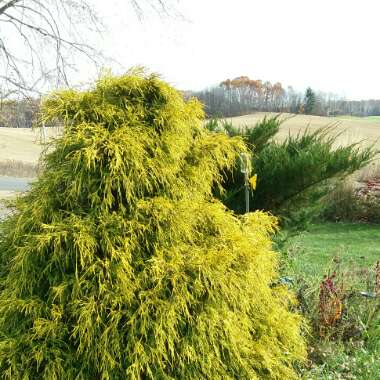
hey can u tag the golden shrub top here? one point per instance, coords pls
(119, 263)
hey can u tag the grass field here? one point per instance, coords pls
(20, 149)
(20, 144)
(324, 246)
(25, 144)
(352, 129)
(363, 119)
(352, 249)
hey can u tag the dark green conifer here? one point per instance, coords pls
(310, 101)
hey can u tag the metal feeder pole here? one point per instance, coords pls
(246, 193)
(245, 163)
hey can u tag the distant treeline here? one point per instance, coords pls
(243, 95)
(235, 97)
(18, 113)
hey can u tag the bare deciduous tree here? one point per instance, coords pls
(41, 40)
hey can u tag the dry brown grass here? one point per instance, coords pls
(8, 194)
(365, 131)
(13, 168)
(20, 149)
(372, 171)
(350, 129)
(5, 197)
(19, 144)
(22, 144)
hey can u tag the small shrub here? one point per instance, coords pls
(344, 312)
(350, 203)
(292, 175)
(346, 307)
(294, 171)
(330, 305)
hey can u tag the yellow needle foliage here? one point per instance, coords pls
(119, 263)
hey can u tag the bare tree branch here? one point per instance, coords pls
(42, 41)
(8, 5)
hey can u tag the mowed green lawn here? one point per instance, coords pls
(351, 249)
(330, 245)
(363, 119)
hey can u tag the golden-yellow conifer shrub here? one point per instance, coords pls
(120, 264)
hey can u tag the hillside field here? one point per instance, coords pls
(25, 144)
(20, 144)
(351, 129)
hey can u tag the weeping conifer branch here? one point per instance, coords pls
(119, 263)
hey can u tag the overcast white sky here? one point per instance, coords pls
(330, 45)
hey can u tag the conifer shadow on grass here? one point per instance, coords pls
(119, 263)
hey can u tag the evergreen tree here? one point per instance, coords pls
(310, 100)
(120, 264)
(291, 174)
